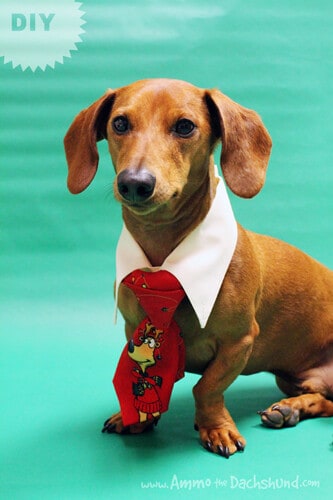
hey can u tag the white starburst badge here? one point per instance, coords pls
(38, 33)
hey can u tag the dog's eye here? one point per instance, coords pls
(184, 127)
(120, 124)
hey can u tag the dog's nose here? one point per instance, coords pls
(136, 185)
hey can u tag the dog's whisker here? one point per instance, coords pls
(108, 193)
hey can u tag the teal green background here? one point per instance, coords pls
(59, 346)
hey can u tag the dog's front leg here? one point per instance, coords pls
(218, 432)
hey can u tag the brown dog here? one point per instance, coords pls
(274, 310)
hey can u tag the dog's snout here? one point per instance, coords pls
(136, 185)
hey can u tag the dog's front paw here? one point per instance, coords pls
(280, 415)
(115, 425)
(223, 441)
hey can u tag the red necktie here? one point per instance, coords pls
(154, 359)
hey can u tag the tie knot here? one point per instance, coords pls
(159, 293)
(159, 280)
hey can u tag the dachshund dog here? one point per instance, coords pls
(274, 308)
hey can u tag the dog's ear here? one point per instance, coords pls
(246, 144)
(88, 127)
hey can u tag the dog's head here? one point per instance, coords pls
(161, 136)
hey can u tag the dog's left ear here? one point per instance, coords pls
(246, 144)
(88, 127)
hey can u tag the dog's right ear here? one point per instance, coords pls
(88, 127)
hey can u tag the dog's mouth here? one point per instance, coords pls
(147, 206)
(143, 208)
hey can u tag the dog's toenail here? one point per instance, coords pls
(220, 450)
(209, 446)
(223, 451)
(239, 446)
(109, 428)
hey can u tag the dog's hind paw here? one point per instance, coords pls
(280, 415)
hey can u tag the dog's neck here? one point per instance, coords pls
(160, 232)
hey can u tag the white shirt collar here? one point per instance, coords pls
(199, 262)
